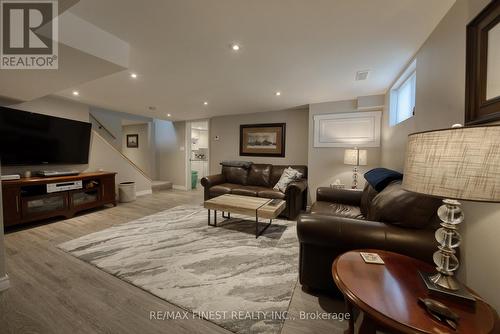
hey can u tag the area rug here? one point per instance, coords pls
(174, 255)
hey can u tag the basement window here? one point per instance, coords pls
(402, 96)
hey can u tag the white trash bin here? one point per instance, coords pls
(126, 192)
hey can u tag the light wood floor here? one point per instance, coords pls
(53, 292)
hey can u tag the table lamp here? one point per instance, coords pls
(355, 157)
(461, 163)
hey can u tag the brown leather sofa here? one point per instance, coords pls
(258, 180)
(343, 220)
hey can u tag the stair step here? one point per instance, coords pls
(161, 185)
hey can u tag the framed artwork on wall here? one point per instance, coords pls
(482, 97)
(133, 141)
(263, 140)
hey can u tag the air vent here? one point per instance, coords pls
(362, 75)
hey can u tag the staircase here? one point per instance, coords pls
(161, 185)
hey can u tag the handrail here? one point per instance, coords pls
(124, 156)
(101, 126)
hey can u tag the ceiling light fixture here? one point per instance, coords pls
(235, 47)
(152, 108)
(168, 115)
(76, 93)
(205, 103)
(362, 75)
(277, 93)
(133, 75)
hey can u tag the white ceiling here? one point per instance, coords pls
(309, 50)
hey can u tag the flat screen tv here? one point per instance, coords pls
(34, 139)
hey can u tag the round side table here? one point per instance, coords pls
(388, 296)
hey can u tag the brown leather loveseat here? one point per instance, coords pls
(343, 220)
(258, 180)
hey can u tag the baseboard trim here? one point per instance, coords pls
(178, 187)
(144, 192)
(4, 283)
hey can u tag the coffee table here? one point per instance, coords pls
(246, 205)
(388, 296)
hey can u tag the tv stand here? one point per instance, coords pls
(27, 200)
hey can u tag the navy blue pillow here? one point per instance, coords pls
(379, 178)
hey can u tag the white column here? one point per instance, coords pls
(4, 280)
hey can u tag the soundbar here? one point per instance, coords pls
(11, 177)
(50, 173)
(63, 186)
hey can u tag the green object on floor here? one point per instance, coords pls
(194, 179)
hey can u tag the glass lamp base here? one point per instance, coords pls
(445, 281)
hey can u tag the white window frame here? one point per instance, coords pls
(409, 73)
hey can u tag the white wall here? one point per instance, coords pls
(326, 164)
(3, 269)
(440, 101)
(104, 156)
(228, 130)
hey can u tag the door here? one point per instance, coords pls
(11, 205)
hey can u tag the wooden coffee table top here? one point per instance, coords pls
(389, 294)
(246, 205)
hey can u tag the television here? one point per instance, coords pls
(34, 139)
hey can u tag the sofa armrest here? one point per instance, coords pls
(343, 196)
(299, 186)
(212, 180)
(350, 234)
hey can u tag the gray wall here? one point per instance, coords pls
(228, 130)
(102, 155)
(326, 164)
(440, 101)
(171, 152)
(144, 155)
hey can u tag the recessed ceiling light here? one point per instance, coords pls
(133, 75)
(168, 115)
(205, 103)
(278, 93)
(235, 47)
(76, 93)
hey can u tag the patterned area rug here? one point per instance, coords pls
(177, 257)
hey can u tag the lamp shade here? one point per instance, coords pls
(355, 157)
(459, 163)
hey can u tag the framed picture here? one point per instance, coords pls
(263, 140)
(133, 141)
(482, 82)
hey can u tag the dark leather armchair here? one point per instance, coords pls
(258, 180)
(344, 220)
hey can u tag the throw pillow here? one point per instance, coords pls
(289, 175)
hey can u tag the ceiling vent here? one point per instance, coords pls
(362, 75)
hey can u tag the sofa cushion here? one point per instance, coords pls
(247, 190)
(289, 175)
(394, 205)
(277, 171)
(379, 178)
(270, 193)
(336, 209)
(222, 189)
(259, 175)
(366, 199)
(236, 175)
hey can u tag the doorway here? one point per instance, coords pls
(197, 152)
